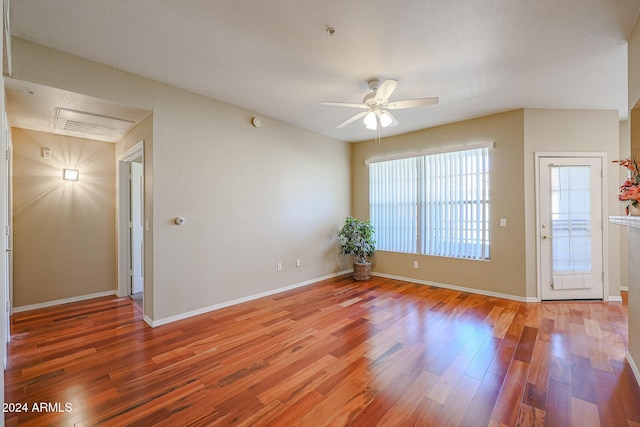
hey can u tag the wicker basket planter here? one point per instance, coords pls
(361, 271)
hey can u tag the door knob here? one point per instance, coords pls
(545, 237)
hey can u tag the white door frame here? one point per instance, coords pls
(605, 216)
(7, 256)
(8, 176)
(124, 247)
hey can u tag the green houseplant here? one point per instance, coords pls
(356, 238)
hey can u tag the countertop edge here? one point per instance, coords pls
(631, 221)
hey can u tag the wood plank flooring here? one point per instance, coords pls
(336, 353)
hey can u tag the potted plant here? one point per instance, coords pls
(630, 189)
(356, 238)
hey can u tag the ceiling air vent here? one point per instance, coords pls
(90, 126)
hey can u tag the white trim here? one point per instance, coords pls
(458, 288)
(633, 366)
(604, 207)
(132, 153)
(171, 319)
(624, 289)
(122, 209)
(614, 298)
(571, 154)
(63, 301)
(147, 320)
(440, 150)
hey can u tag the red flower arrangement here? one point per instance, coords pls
(630, 188)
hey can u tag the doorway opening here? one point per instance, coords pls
(132, 223)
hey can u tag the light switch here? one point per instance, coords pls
(503, 222)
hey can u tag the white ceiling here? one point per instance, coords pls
(276, 59)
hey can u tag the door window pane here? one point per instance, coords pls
(571, 220)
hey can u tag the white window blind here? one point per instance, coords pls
(434, 204)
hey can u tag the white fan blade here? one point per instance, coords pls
(386, 89)
(352, 119)
(412, 103)
(344, 104)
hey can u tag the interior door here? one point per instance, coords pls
(571, 228)
(5, 215)
(137, 233)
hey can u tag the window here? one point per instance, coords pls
(434, 204)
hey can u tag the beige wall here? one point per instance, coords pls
(517, 135)
(64, 232)
(505, 272)
(634, 67)
(143, 131)
(252, 197)
(572, 131)
(634, 96)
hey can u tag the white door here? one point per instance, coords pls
(137, 233)
(5, 206)
(8, 279)
(571, 228)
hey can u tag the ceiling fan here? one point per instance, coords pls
(377, 105)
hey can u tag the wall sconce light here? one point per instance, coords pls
(70, 174)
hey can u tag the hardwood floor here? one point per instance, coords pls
(382, 352)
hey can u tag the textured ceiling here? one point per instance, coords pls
(275, 58)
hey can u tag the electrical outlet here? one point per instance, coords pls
(415, 264)
(298, 262)
(279, 266)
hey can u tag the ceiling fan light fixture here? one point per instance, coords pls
(377, 108)
(385, 119)
(370, 121)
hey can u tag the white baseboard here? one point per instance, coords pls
(147, 320)
(615, 298)
(634, 367)
(624, 289)
(458, 288)
(62, 301)
(171, 319)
